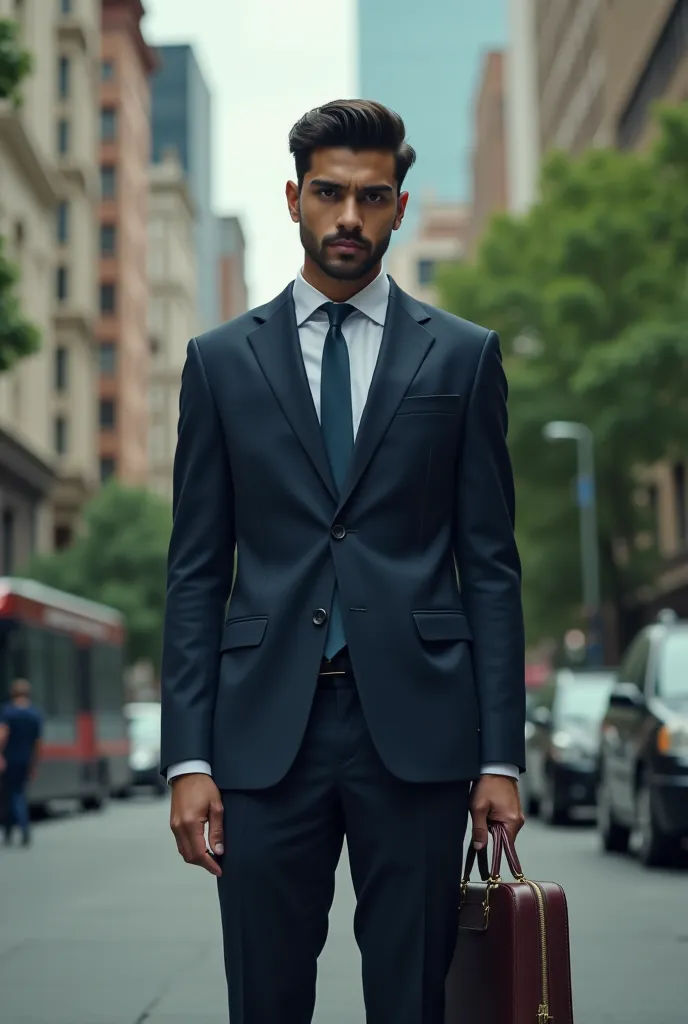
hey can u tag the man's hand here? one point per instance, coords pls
(195, 801)
(495, 798)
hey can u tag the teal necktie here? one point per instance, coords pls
(337, 424)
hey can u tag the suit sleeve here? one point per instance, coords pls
(488, 563)
(199, 571)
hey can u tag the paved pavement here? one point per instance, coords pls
(100, 923)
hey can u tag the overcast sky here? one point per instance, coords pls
(266, 62)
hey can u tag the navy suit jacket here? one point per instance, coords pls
(438, 655)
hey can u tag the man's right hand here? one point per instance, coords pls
(195, 801)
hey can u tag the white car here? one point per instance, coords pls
(144, 736)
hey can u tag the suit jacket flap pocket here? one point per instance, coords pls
(443, 625)
(243, 633)
(446, 405)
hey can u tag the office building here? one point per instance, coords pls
(127, 62)
(421, 59)
(172, 315)
(181, 119)
(48, 171)
(74, 136)
(490, 194)
(232, 268)
(571, 74)
(522, 107)
(646, 51)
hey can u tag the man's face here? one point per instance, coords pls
(347, 209)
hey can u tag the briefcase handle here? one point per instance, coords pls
(501, 845)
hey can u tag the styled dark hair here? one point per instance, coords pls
(354, 124)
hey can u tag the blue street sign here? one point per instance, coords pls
(585, 491)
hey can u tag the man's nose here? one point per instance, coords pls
(350, 215)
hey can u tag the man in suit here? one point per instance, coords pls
(349, 443)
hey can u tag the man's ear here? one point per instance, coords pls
(401, 209)
(293, 194)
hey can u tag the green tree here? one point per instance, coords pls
(15, 62)
(18, 337)
(589, 294)
(120, 560)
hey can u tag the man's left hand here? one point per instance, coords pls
(495, 798)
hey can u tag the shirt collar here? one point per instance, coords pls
(371, 301)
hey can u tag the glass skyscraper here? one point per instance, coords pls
(181, 118)
(422, 58)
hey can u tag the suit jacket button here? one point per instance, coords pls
(339, 531)
(319, 617)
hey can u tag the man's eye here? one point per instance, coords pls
(328, 193)
(374, 197)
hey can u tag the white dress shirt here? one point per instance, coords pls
(363, 335)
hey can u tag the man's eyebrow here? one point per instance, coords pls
(325, 183)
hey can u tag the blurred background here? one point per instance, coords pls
(143, 154)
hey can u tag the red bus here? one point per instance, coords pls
(72, 652)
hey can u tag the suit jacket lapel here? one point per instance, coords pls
(405, 344)
(275, 343)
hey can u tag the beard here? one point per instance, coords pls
(343, 268)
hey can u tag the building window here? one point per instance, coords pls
(107, 469)
(107, 414)
(61, 368)
(108, 358)
(63, 223)
(63, 139)
(108, 181)
(108, 240)
(426, 272)
(8, 520)
(60, 435)
(107, 71)
(64, 75)
(63, 537)
(108, 124)
(62, 284)
(108, 299)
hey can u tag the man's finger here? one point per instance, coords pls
(479, 815)
(216, 840)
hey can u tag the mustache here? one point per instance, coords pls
(347, 236)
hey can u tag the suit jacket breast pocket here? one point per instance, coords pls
(429, 405)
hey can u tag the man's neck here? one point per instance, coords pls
(333, 288)
(21, 702)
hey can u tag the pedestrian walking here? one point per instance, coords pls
(350, 442)
(21, 726)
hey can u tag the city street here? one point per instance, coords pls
(101, 923)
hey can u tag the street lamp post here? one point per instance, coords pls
(562, 430)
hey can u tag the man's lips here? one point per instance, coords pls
(346, 246)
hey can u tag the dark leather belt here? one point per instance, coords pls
(336, 669)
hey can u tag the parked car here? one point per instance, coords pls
(643, 786)
(144, 734)
(562, 743)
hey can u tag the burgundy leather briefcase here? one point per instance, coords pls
(512, 962)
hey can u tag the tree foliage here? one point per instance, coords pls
(18, 337)
(119, 560)
(15, 62)
(589, 292)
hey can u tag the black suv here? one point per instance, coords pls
(563, 741)
(643, 787)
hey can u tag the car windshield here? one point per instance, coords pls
(145, 728)
(583, 699)
(673, 666)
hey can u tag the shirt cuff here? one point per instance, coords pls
(188, 768)
(496, 768)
